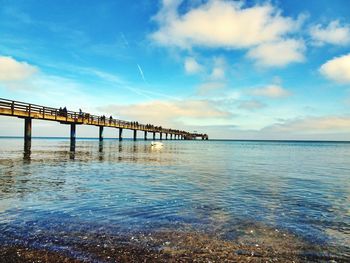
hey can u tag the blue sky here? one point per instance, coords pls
(232, 69)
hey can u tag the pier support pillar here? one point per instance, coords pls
(72, 136)
(72, 146)
(135, 135)
(27, 150)
(27, 129)
(166, 136)
(145, 136)
(120, 134)
(101, 134)
(160, 136)
(72, 132)
(154, 135)
(171, 136)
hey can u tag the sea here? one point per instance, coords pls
(125, 201)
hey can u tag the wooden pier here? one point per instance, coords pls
(28, 112)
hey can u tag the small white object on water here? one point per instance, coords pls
(156, 144)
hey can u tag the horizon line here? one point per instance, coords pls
(141, 139)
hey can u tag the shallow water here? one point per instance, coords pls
(238, 191)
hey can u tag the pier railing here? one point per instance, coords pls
(34, 111)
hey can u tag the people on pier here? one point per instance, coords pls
(135, 124)
(62, 112)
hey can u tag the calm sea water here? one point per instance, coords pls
(214, 187)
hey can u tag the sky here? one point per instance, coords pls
(232, 69)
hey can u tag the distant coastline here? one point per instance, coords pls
(218, 140)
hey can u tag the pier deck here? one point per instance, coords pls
(32, 111)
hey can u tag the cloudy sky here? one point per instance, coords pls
(233, 69)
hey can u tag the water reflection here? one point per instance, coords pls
(100, 147)
(101, 156)
(72, 149)
(72, 145)
(225, 189)
(27, 151)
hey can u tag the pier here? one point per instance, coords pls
(28, 112)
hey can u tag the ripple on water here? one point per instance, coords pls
(290, 195)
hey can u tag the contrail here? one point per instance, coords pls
(151, 92)
(141, 73)
(124, 39)
(124, 84)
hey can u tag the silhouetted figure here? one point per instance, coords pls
(65, 112)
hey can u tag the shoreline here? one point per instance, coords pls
(169, 246)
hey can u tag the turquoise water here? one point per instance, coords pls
(213, 187)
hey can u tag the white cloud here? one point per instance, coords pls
(278, 54)
(167, 112)
(337, 69)
(272, 91)
(306, 128)
(219, 24)
(216, 80)
(334, 33)
(209, 87)
(230, 25)
(13, 70)
(324, 124)
(251, 105)
(218, 71)
(192, 66)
